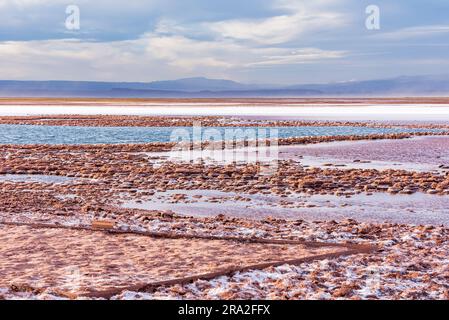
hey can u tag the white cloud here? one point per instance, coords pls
(174, 49)
(148, 58)
(300, 56)
(244, 43)
(302, 19)
(22, 3)
(415, 32)
(189, 54)
(69, 59)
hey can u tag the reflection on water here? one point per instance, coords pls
(34, 178)
(416, 209)
(30, 134)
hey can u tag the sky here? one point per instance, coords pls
(251, 41)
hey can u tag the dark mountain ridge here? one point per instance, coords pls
(220, 88)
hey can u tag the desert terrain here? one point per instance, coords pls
(350, 202)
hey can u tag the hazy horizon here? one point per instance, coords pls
(443, 75)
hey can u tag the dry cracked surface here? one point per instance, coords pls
(82, 261)
(411, 263)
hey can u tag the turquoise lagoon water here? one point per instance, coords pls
(31, 134)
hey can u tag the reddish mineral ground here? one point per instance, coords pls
(339, 217)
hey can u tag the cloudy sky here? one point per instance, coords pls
(253, 41)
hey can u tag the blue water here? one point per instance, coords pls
(29, 134)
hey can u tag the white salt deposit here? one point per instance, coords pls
(429, 112)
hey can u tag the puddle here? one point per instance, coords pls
(34, 178)
(422, 154)
(415, 154)
(322, 162)
(415, 209)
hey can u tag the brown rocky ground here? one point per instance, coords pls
(412, 261)
(205, 121)
(81, 262)
(412, 264)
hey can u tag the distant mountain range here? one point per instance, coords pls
(219, 88)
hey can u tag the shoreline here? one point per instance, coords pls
(83, 186)
(378, 110)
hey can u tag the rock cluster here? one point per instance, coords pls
(102, 175)
(205, 121)
(412, 262)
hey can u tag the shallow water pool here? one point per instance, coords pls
(34, 178)
(32, 134)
